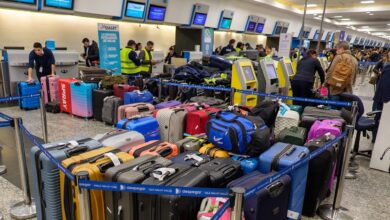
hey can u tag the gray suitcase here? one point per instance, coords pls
(121, 205)
(110, 109)
(46, 184)
(172, 124)
(120, 139)
(192, 143)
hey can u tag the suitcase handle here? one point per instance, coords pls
(290, 151)
(76, 150)
(166, 151)
(275, 189)
(105, 166)
(94, 159)
(143, 109)
(77, 83)
(150, 163)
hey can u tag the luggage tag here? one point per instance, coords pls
(161, 173)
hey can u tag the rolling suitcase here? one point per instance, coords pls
(82, 98)
(95, 166)
(98, 96)
(248, 164)
(65, 95)
(158, 148)
(191, 158)
(192, 143)
(320, 175)
(213, 151)
(222, 171)
(196, 120)
(27, 88)
(137, 97)
(293, 135)
(269, 203)
(92, 74)
(131, 110)
(110, 108)
(148, 126)
(213, 102)
(172, 124)
(320, 128)
(49, 86)
(312, 114)
(152, 207)
(280, 156)
(121, 89)
(120, 139)
(46, 184)
(168, 104)
(123, 205)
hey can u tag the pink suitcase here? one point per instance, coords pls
(320, 128)
(53, 88)
(128, 111)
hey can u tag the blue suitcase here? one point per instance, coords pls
(191, 158)
(137, 97)
(29, 88)
(82, 98)
(248, 164)
(280, 156)
(269, 203)
(148, 126)
(46, 184)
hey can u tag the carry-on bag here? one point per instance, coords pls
(46, 184)
(148, 126)
(124, 205)
(98, 96)
(82, 98)
(312, 114)
(110, 108)
(296, 108)
(286, 119)
(121, 89)
(192, 143)
(95, 167)
(137, 97)
(268, 203)
(172, 124)
(196, 120)
(65, 95)
(213, 102)
(210, 206)
(320, 128)
(92, 74)
(53, 107)
(160, 148)
(168, 104)
(153, 207)
(293, 135)
(280, 156)
(191, 158)
(222, 171)
(131, 110)
(267, 110)
(49, 86)
(213, 151)
(29, 88)
(248, 164)
(120, 139)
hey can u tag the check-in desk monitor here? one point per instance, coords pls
(244, 78)
(267, 76)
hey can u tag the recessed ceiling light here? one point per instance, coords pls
(311, 5)
(345, 19)
(367, 2)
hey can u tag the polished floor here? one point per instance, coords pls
(366, 198)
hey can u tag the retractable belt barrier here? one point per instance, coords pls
(364, 63)
(15, 98)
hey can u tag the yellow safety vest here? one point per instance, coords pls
(146, 67)
(238, 50)
(128, 66)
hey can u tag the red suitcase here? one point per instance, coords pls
(65, 96)
(120, 89)
(196, 120)
(50, 94)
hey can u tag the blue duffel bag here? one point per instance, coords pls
(238, 134)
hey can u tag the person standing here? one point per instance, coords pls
(130, 63)
(171, 53)
(342, 72)
(138, 46)
(146, 58)
(261, 50)
(229, 48)
(91, 52)
(43, 60)
(240, 47)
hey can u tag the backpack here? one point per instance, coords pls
(341, 74)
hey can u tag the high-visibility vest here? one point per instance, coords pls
(128, 66)
(146, 67)
(238, 50)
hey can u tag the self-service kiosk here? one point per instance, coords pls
(250, 54)
(159, 67)
(324, 63)
(285, 73)
(244, 78)
(267, 76)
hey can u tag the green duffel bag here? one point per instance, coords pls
(109, 81)
(293, 135)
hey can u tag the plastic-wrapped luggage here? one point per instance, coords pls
(121, 89)
(65, 95)
(82, 98)
(120, 139)
(98, 96)
(29, 88)
(110, 108)
(148, 126)
(160, 148)
(49, 86)
(137, 97)
(172, 124)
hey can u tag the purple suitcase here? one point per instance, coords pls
(320, 128)
(268, 203)
(168, 104)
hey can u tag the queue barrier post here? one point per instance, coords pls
(238, 205)
(335, 211)
(43, 118)
(83, 197)
(25, 209)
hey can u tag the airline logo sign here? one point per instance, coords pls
(108, 27)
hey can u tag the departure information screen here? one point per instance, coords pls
(259, 28)
(226, 23)
(251, 26)
(200, 19)
(156, 13)
(63, 4)
(135, 10)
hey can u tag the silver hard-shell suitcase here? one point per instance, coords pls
(120, 139)
(172, 124)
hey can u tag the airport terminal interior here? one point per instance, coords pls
(194, 109)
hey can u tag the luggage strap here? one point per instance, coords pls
(275, 160)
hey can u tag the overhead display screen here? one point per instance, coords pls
(251, 26)
(200, 19)
(316, 35)
(249, 76)
(63, 4)
(135, 10)
(226, 23)
(278, 30)
(156, 13)
(271, 71)
(31, 2)
(259, 28)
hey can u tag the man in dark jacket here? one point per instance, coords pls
(43, 61)
(91, 52)
(229, 48)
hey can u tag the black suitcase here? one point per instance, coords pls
(98, 96)
(268, 203)
(122, 205)
(311, 114)
(222, 171)
(319, 175)
(152, 207)
(191, 158)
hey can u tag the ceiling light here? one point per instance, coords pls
(345, 19)
(338, 16)
(367, 2)
(311, 5)
(364, 27)
(368, 12)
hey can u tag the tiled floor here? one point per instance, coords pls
(367, 198)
